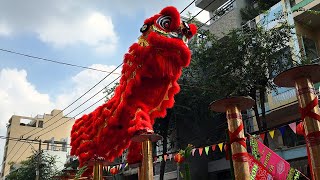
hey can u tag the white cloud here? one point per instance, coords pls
(4, 30)
(18, 96)
(59, 23)
(96, 30)
(82, 82)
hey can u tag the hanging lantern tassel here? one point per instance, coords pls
(178, 158)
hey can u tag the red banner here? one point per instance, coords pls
(257, 170)
(276, 165)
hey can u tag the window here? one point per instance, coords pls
(40, 124)
(310, 49)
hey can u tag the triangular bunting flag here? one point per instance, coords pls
(293, 126)
(155, 158)
(165, 157)
(220, 146)
(108, 169)
(271, 133)
(207, 149)
(126, 165)
(213, 147)
(193, 150)
(160, 158)
(262, 135)
(117, 167)
(123, 165)
(170, 156)
(200, 151)
(282, 130)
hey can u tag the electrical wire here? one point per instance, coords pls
(79, 106)
(67, 107)
(53, 61)
(201, 11)
(187, 6)
(78, 113)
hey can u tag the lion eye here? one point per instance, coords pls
(164, 22)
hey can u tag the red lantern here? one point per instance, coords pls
(178, 158)
(114, 171)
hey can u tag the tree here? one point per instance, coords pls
(241, 63)
(27, 170)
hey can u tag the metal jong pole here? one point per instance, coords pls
(233, 106)
(146, 168)
(302, 78)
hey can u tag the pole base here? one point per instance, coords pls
(241, 102)
(288, 77)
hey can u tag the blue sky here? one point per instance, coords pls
(88, 33)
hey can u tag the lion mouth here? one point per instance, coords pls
(173, 34)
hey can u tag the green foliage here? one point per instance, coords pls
(27, 170)
(241, 63)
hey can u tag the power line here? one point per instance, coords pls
(18, 157)
(77, 108)
(80, 97)
(75, 115)
(203, 24)
(187, 6)
(69, 105)
(201, 11)
(53, 61)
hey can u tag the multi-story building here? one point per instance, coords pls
(34, 128)
(282, 106)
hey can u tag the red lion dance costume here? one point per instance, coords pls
(147, 87)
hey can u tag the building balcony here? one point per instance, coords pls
(212, 7)
(302, 15)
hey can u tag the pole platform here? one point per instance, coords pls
(288, 77)
(241, 102)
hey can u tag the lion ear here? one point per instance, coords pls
(193, 29)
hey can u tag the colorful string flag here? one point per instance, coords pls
(200, 150)
(193, 150)
(123, 166)
(271, 133)
(282, 130)
(160, 158)
(206, 149)
(165, 157)
(155, 159)
(213, 147)
(293, 127)
(262, 135)
(108, 169)
(220, 146)
(126, 165)
(170, 156)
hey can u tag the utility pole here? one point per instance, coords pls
(38, 163)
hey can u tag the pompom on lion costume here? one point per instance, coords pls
(147, 87)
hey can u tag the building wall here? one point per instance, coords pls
(228, 21)
(16, 151)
